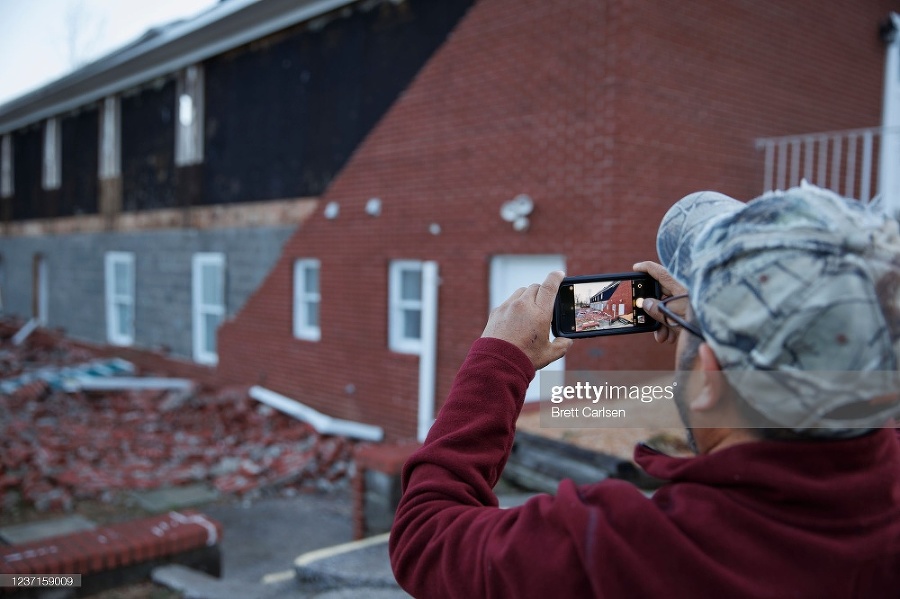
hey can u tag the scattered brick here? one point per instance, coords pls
(58, 447)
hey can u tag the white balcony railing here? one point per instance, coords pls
(851, 162)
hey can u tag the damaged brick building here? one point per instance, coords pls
(352, 189)
(146, 195)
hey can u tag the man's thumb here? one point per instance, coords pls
(559, 346)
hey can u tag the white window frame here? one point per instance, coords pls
(51, 175)
(6, 166)
(397, 306)
(304, 298)
(110, 163)
(200, 309)
(114, 299)
(189, 108)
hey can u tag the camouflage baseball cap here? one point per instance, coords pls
(798, 295)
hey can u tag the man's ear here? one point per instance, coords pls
(712, 384)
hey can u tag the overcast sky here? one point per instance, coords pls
(41, 40)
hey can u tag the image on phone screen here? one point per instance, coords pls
(605, 305)
(595, 306)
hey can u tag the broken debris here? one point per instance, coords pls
(57, 447)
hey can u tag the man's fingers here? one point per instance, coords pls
(669, 287)
(524, 320)
(546, 292)
(513, 297)
(651, 307)
(665, 335)
(666, 281)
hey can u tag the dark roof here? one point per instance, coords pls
(605, 293)
(160, 51)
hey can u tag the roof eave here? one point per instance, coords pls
(228, 26)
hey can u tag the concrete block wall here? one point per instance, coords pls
(75, 267)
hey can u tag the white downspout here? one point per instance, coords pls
(428, 357)
(889, 167)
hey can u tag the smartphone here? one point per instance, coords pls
(608, 304)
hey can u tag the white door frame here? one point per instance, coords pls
(533, 269)
(889, 167)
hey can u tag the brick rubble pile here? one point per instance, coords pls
(58, 447)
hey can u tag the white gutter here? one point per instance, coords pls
(428, 357)
(889, 167)
(323, 423)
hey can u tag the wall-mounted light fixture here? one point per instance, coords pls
(332, 209)
(516, 211)
(373, 207)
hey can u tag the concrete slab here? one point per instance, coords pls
(350, 565)
(43, 529)
(173, 498)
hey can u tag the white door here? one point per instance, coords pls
(508, 273)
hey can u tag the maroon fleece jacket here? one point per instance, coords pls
(775, 519)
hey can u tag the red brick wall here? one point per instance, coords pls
(621, 296)
(605, 113)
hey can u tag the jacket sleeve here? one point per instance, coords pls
(449, 538)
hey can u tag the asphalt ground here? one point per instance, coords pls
(264, 536)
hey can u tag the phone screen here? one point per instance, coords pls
(607, 304)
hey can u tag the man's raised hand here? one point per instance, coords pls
(524, 320)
